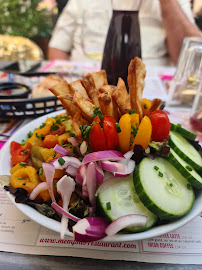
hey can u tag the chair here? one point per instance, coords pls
(15, 48)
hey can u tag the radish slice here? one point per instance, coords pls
(83, 148)
(61, 150)
(91, 182)
(71, 170)
(125, 221)
(103, 155)
(90, 229)
(99, 173)
(63, 212)
(75, 162)
(49, 172)
(113, 166)
(65, 187)
(129, 168)
(35, 192)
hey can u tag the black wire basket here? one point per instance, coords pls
(26, 108)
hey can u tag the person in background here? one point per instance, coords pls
(163, 26)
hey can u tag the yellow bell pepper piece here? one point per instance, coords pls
(146, 105)
(41, 131)
(62, 139)
(15, 168)
(125, 134)
(144, 132)
(47, 154)
(25, 178)
(135, 120)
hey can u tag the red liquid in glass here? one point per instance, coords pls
(122, 45)
(196, 121)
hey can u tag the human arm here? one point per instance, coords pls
(177, 26)
(61, 42)
(54, 53)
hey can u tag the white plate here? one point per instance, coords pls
(5, 167)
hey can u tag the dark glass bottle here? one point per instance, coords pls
(123, 43)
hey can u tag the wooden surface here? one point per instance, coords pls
(14, 261)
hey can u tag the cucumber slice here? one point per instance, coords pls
(185, 150)
(185, 169)
(123, 200)
(162, 189)
(185, 133)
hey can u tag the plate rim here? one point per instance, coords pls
(55, 225)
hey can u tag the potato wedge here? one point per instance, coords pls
(155, 104)
(122, 97)
(77, 86)
(86, 107)
(136, 75)
(60, 90)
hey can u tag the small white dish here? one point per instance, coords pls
(54, 225)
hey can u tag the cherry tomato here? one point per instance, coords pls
(109, 118)
(19, 153)
(111, 134)
(160, 125)
(97, 138)
(106, 138)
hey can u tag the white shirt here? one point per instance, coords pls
(73, 33)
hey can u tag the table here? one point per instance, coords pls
(30, 262)
(13, 261)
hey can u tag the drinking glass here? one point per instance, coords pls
(188, 76)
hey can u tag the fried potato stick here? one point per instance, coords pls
(107, 105)
(85, 106)
(136, 75)
(155, 104)
(77, 86)
(60, 90)
(77, 121)
(100, 79)
(91, 89)
(122, 97)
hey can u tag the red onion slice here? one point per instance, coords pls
(61, 150)
(91, 182)
(125, 221)
(75, 162)
(63, 212)
(65, 187)
(127, 156)
(113, 166)
(103, 155)
(99, 173)
(49, 172)
(71, 170)
(90, 229)
(129, 168)
(35, 192)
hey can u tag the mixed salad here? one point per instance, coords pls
(123, 175)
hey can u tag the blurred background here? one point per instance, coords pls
(35, 20)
